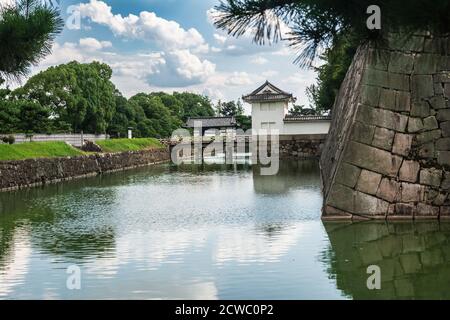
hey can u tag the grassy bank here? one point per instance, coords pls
(37, 150)
(121, 145)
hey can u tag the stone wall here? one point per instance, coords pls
(35, 172)
(388, 151)
(301, 146)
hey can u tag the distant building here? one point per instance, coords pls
(223, 124)
(270, 107)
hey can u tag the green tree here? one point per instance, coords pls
(230, 109)
(159, 121)
(297, 110)
(244, 122)
(9, 116)
(27, 31)
(194, 105)
(33, 118)
(81, 95)
(316, 23)
(330, 75)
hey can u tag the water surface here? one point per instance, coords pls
(208, 232)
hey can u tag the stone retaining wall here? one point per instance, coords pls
(35, 172)
(388, 151)
(301, 146)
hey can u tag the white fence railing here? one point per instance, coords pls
(73, 139)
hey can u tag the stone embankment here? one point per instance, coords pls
(35, 172)
(388, 150)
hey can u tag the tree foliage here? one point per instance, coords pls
(316, 23)
(331, 74)
(27, 31)
(81, 95)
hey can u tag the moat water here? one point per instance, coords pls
(208, 232)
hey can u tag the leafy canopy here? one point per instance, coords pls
(316, 23)
(27, 31)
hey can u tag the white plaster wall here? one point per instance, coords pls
(276, 111)
(307, 127)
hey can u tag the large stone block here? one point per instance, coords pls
(426, 63)
(401, 63)
(348, 175)
(370, 95)
(430, 123)
(388, 99)
(398, 41)
(373, 159)
(437, 102)
(446, 182)
(409, 171)
(405, 209)
(402, 144)
(382, 118)
(422, 87)
(444, 158)
(368, 182)
(420, 109)
(427, 151)
(388, 190)
(412, 192)
(443, 115)
(443, 144)
(403, 101)
(369, 205)
(429, 136)
(447, 90)
(378, 59)
(431, 177)
(342, 197)
(415, 125)
(427, 210)
(445, 126)
(383, 138)
(373, 77)
(362, 133)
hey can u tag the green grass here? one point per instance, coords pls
(37, 150)
(121, 145)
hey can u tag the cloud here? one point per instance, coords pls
(92, 44)
(259, 60)
(146, 26)
(177, 64)
(221, 39)
(239, 79)
(181, 68)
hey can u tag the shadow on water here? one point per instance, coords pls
(414, 258)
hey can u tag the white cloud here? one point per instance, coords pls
(269, 73)
(181, 68)
(92, 44)
(220, 38)
(239, 79)
(147, 26)
(259, 60)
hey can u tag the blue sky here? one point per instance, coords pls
(171, 45)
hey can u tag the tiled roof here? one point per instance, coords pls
(212, 122)
(274, 94)
(306, 118)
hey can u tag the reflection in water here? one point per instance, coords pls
(203, 232)
(414, 259)
(192, 232)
